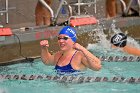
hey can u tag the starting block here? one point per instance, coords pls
(79, 21)
(5, 32)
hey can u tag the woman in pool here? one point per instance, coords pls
(119, 40)
(72, 57)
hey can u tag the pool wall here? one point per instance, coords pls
(25, 42)
(30, 38)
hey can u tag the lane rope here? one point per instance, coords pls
(120, 58)
(71, 79)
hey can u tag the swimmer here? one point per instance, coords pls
(120, 41)
(72, 57)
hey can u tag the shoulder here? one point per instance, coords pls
(79, 54)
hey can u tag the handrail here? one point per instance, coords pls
(124, 5)
(54, 17)
(126, 8)
(139, 6)
(79, 3)
(5, 11)
(48, 7)
(70, 10)
(75, 4)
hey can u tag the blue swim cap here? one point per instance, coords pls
(69, 31)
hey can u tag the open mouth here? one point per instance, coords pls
(62, 45)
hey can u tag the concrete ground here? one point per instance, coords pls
(21, 12)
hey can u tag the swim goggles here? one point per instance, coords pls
(64, 38)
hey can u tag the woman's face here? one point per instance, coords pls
(65, 42)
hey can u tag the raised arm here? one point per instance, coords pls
(88, 58)
(46, 57)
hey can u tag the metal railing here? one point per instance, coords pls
(79, 4)
(64, 2)
(126, 8)
(5, 10)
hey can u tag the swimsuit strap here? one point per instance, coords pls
(70, 59)
(59, 58)
(72, 56)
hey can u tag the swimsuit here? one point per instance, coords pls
(67, 68)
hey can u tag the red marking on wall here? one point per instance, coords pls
(38, 35)
(46, 34)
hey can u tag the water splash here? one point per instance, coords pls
(103, 46)
(101, 36)
(114, 30)
(3, 91)
(133, 42)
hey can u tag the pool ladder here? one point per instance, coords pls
(6, 10)
(54, 17)
(126, 8)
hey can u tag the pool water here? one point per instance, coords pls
(109, 69)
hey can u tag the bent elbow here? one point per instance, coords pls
(97, 68)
